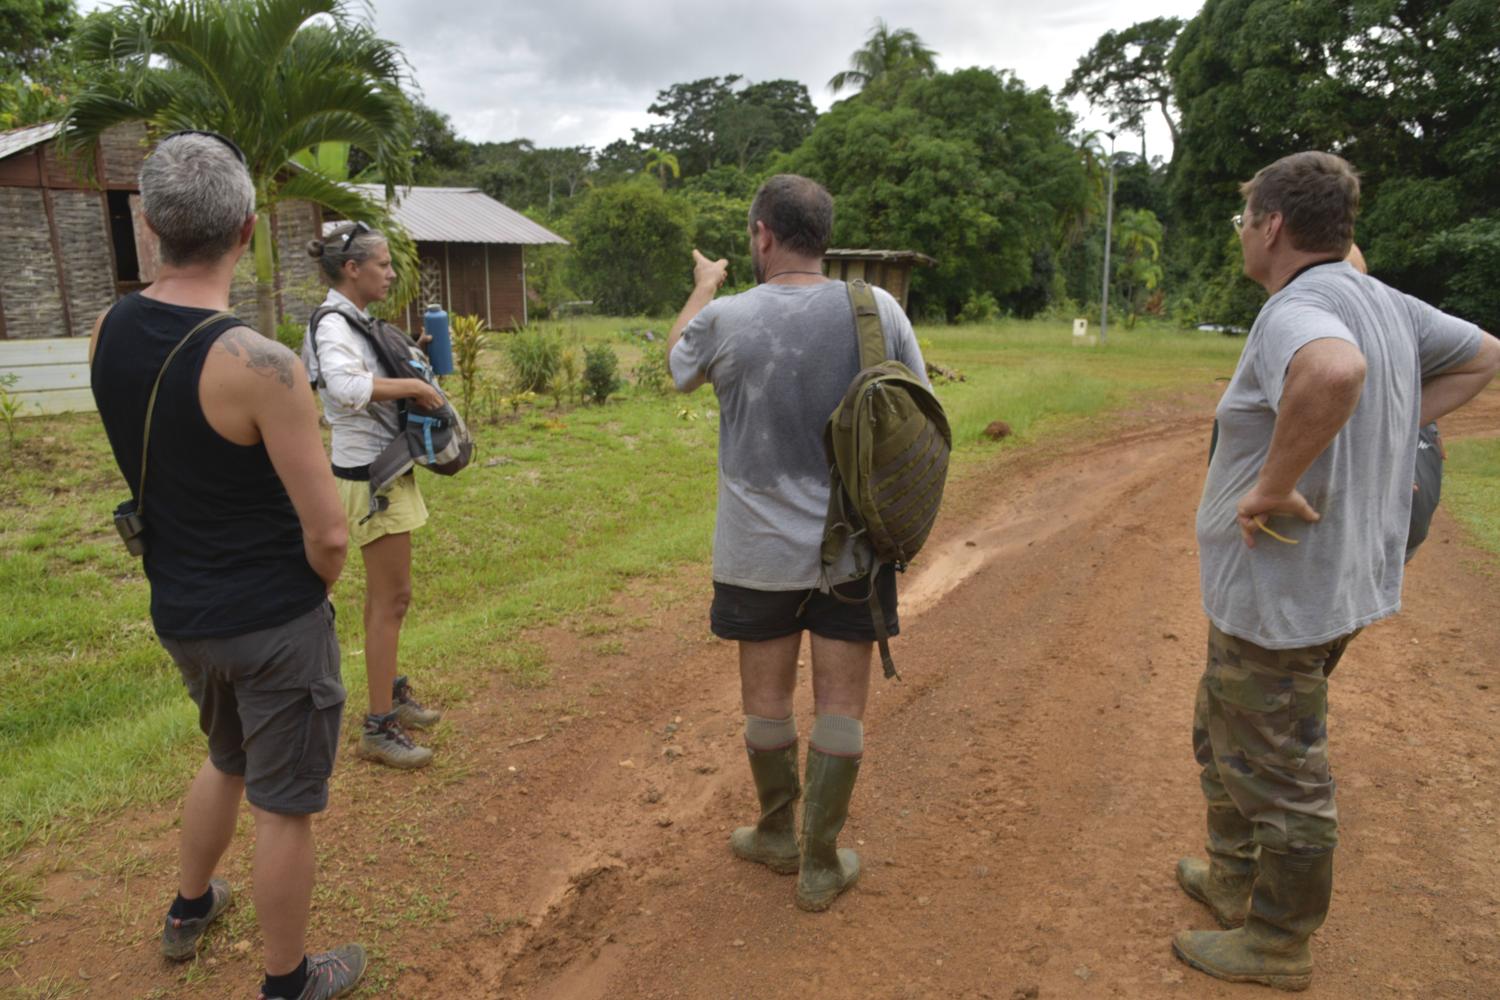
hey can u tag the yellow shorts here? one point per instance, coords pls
(407, 510)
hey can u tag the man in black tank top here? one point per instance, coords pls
(245, 536)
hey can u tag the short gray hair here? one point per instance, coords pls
(331, 253)
(798, 211)
(196, 194)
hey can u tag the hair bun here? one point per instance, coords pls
(315, 248)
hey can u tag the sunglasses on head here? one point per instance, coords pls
(349, 237)
(239, 153)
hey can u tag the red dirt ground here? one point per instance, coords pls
(1027, 788)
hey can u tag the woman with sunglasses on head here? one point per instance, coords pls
(359, 402)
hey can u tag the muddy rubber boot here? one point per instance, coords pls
(1222, 883)
(772, 841)
(1289, 902)
(827, 869)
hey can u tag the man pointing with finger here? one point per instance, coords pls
(780, 358)
(1302, 531)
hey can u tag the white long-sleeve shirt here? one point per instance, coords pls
(346, 366)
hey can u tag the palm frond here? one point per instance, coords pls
(350, 203)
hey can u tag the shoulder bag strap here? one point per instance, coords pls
(867, 324)
(140, 495)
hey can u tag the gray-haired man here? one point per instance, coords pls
(1302, 531)
(244, 537)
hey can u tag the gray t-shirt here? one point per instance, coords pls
(1345, 572)
(780, 358)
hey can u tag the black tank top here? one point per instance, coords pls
(224, 553)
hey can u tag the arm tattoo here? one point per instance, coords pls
(262, 356)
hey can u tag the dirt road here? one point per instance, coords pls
(1027, 788)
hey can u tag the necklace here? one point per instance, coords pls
(780, 273)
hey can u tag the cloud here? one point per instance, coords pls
(570, 72)
(582, 72)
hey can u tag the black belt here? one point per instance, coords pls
(357, 474)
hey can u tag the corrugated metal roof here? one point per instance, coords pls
(460, 215)
(19, 140)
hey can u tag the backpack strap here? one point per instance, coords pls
(140, 495)
(867, 324)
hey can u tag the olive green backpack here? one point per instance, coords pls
(888, 443)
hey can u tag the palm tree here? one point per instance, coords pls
(280, 77)
(886, 49)
(662, 163)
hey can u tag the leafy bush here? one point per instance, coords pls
(652, 374)
(566, 383)
(469, 337)
(980, 307)
(10, 409)
(535, 357)
(291, 334)
(600, 365)
(632, 249)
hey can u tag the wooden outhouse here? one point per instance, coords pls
(890, 269)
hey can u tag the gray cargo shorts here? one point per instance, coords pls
(270, 703)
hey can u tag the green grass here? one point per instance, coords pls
(582, 503)
(1472, 489)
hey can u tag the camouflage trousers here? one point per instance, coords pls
(1260, 732)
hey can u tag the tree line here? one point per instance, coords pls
(993, 178)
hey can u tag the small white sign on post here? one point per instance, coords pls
(1081, 333)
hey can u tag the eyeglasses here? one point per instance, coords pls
(1238, 221)
(359, 227)
(239, 153)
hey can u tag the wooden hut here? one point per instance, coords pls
(890, 269)
(473, 253)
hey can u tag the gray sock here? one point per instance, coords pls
(769, 734)
(838, 735)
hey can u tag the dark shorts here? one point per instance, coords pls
(746, 615)
(270, 703)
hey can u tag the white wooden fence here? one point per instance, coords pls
(53, 374)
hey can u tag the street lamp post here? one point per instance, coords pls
(1109, 225)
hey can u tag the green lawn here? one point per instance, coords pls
(560, 511)
(1471, 489)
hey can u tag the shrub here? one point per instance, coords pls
(534, 359)
(291, 334)
(566, 383)
(980, 307)
(652, 374)
(600, 364)
(469, 337)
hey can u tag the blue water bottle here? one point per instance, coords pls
(440, 350)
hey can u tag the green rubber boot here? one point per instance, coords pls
(1223, 882)
(827, 869)
(1289, 902)
(772, 841)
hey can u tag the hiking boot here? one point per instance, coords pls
(331, 974)
(180, 938)
(1289, 902)
(385, 742)
(409, 711)
(772, 841)
(826, 869)
(1223, 882)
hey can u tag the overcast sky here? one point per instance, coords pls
(582, 72)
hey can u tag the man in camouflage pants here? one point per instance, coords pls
(1318, 434)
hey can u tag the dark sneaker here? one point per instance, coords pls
(331, 974)
(179, 938)
(385, 742)
(409, 711)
